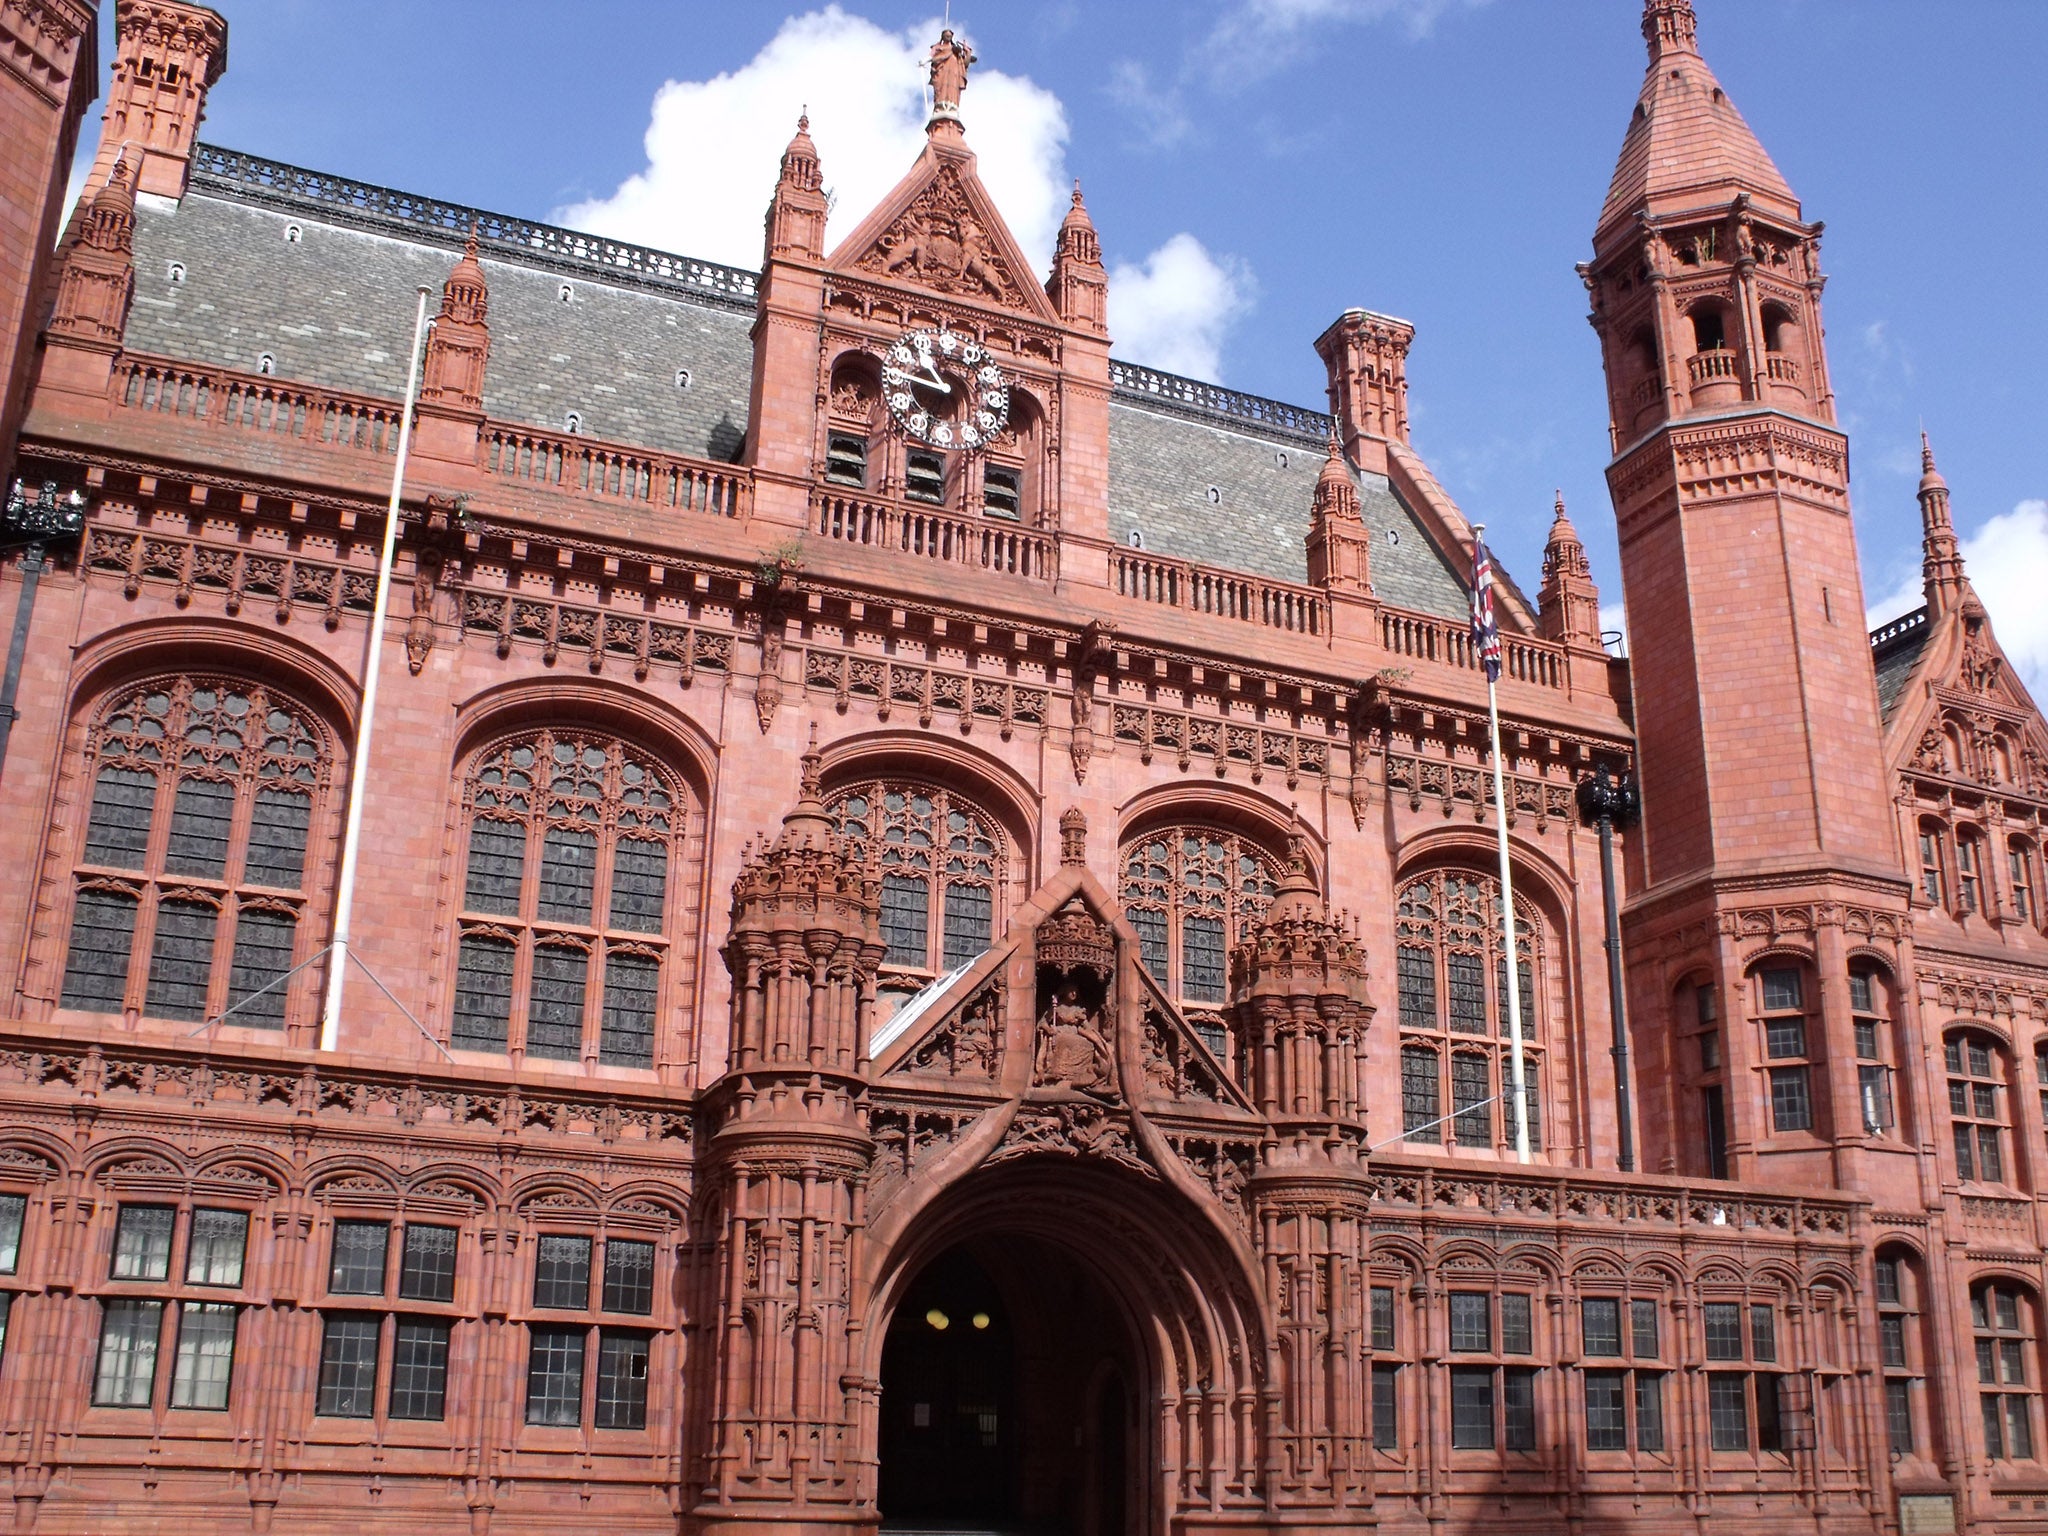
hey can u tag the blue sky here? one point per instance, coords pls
(1256, 166)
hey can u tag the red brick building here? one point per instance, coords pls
(931, 947)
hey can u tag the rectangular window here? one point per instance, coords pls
(1888, 1281)
(1419, 1091)
(1472, 1407)
(1382, 1317)
(1416, 973)
(483, 993)
(13, 1209)
(181, 959)
(1518, 1408)
(497, 867)
(276, 851)
(1600, 1324)
(419, 1369)
(970, 918)
(1724, 1330)
(261, 959)
(554, 1376)
(1784, 1037)
(561, 1271)
(1606, 1417)
(6, 1306)
(1467, 976)
(626, 1032)
(924, 477)
(1649, 1411)
(220, 1243)
(1791, 1107)
(1898, 1416)
(1966, 1151)
(1704, 1007)
(1875, 1086)
(1642, 1316)
(1781, 991)
(102, 937)
(127, 1365)
(1715, 1116)
(117, 829)
(1763, 1333)
(846, 459)
(1862, 995)
(2019, 1428)
(2022, 882)
(906, 920)
(1891, 1337)
(1472, 1322)
(426, 1265)
(621, 1380)
(1001, 491)
(628, 1276)
(1516, 1335)
(639, 901)
(142, 1242)
(206, 1355)
(1710, 1051)
(1770, 1417)
(1930, 867)
(1471, 1101)
(554, 1015)
(348, 1367)
(357, 1265)
(1386, 1425)
(1151, 926)
(1201, 959)
(201, 813)
(568, 875)
(1728, 1410)
(1994, 1425)
(1990, 1162)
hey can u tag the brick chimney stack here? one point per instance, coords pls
(1367, 358)
(167, 55)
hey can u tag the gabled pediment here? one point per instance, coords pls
(940, 231)
(1964, 713)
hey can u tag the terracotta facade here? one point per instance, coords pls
(889, 994)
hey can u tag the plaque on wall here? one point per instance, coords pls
(1927, 1514)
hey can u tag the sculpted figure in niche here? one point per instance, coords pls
(1071, 1050)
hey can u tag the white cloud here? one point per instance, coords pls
(1172, 310)
(1256, 37)
(2005, 559)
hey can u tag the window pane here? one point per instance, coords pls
(1728, 1410)
(970, 912)
(1990, 1164)
(1471, 1096)
(1862, 996)
(1891, 1335)
(102, 936)
(1649, 1411)
(554, 1017)
(1382, 1317)
(483, 993)
(628, 1276)
(127, 1364)
(1888, 1281)
(1472, 1408)
(1781, 990)
(554, 1376)
(1606, 1422)
(2019, 1428)
(2006, 1308)
(1416, 969)
(568, 875)
(206, 1355)
(1763, 1333)
(1516, 1335)
(1769, 1418)
(13, 1208)
(639, 886)
(1600, 1320)
(906, 919)
(426, 1265)
(419, 1368)
(497, 867)
(621, 1380)
(220, 1239)
(1791, 1109)
(263, 954)
(561, 1271)
(626, 1030)
(348, 1367)
(1966, 1151)
(1898, 1416)
(276, 855)
(1724, 1330)
(6, 1306)
(1202, 959)
(1518, 1409)
(117, 834)
(1151, 926)
(357, 1268)
(1994, 1426)
(1785, 1037)
(1386, 1427)
(1643, 1326)
(1419, 1094)
(201, 813)
(1466, 973)
(181, 960)
(1471, 1321)
(142, 1242)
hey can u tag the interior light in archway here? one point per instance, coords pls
(980, 1319)
(938, 1319)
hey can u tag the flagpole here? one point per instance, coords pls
(373, 657)
(1513, 970)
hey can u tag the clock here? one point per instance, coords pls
(945, 390)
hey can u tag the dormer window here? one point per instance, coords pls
(573, 423)
(267, 363)
(924, 477)
(682, 378)
(292, 234)
(176, 272)
(567, 292)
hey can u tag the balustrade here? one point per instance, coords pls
(1718, 363)
(663, 481)
(1224, 594)
(255, 403)
(945, 537)
(1421, 637)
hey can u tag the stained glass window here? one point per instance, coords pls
(944, 863)
(1192, 893)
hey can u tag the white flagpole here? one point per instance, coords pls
(1507, 913)
(373, 657)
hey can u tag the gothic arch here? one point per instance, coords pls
(323, 1176)
(483, 1190)
(1235, 806)
(632, 712)
(107, 1159)
(193, 643)
(986, 778)
(1536, 874)
(274, 1170)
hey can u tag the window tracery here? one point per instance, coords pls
(572, 840)
(1192, 892)
(944, 863)
(190, 887)
(1451, 972)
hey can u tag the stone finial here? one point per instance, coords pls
(1669, 27)
(795, 222)
(1079, 285)
(97, 282)
(1339, 554)
(1941, 555)
(1568, 603)
(459, 349)
(1073, 836)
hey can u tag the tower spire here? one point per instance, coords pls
(1569, 603)
(1669, 27)
(1941, 556)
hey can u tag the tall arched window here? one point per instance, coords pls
(1902, 1352)
(1969, 871)
(1870, 1005)
(574, 836)
(944, 862)
(1977, 1110)
(1191, 892)
(1451, 969)
(1932, 838)
(2019, 867)
(2005, 1319)
(1779, 996)
(190, 889)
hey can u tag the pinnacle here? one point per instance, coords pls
(1930, 477)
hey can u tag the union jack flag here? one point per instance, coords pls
(1485, 632)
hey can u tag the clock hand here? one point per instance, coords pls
(932, 379)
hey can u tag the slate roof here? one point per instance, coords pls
(334, 308)
(1895, 651)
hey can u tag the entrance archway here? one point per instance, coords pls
(1007, 1401)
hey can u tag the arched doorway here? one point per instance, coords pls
(1007, 1395)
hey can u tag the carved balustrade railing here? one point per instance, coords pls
(1422, 637)
(257, 404)
(1225, 594)
(1213, 403)
(972, 543)
(1904, 624)
(609, 471)
(1782, 368)
(1718, 363)
(603, 637)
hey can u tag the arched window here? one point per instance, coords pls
(2041, 1076)
(190, 886)
(2006, 1321)
(1931, 882)
(573, 839)
(2019, 865)
(1191, 892)
(1901, 1348)
(1452, 978)
(1969, 872)
(944, 862)
(1976, 1106)
(1697, 1009)
(1790, 1041)
(1870, 1007)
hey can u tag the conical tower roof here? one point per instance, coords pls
(1686, 144)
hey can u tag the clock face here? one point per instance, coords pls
(945, 390)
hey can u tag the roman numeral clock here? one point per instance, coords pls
(944, 390)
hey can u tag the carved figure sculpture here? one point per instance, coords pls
(950, 58)
(1071, 1050)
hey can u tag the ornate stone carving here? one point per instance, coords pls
(1072, 1130)
(941, 243)
(970, 1043)
(1072, 1050)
